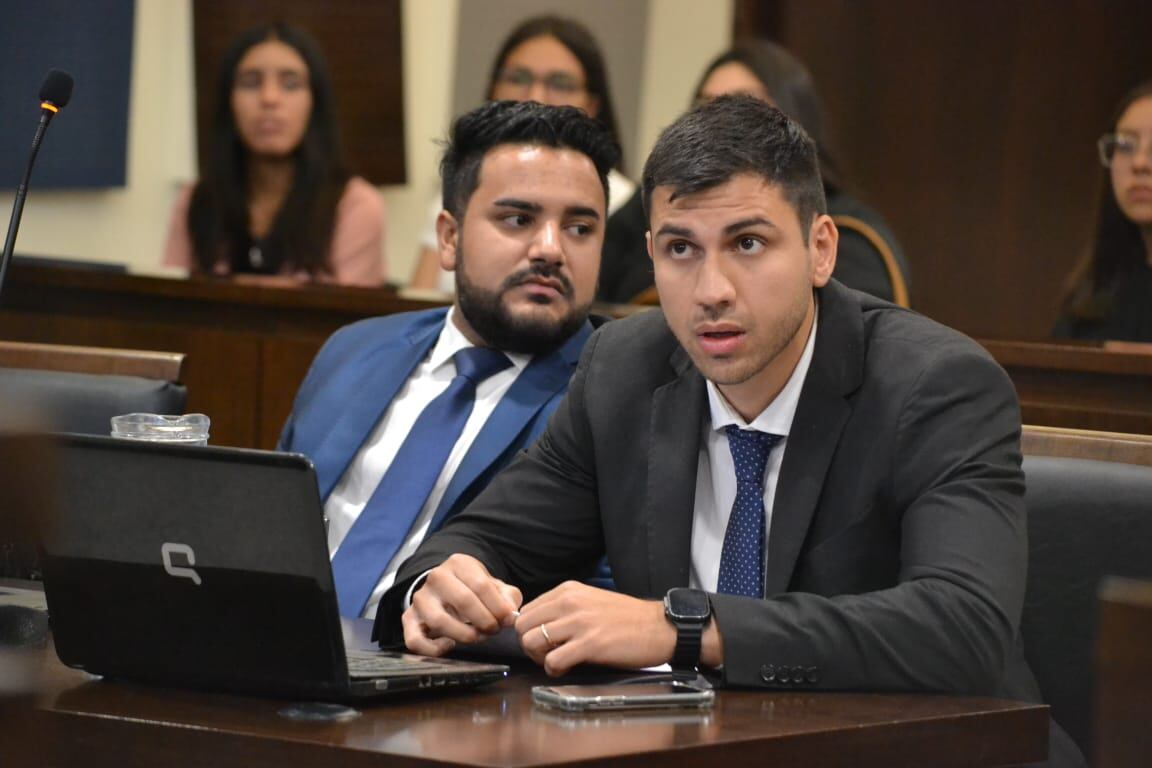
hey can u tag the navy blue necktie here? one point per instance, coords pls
(384, 523)
(742, 559)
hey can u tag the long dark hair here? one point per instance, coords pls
(792, 90)
(1117, 247)
(579, 41)
(302, 229)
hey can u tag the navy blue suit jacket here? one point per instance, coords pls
(360, 369)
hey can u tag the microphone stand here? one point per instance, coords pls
(21, 193)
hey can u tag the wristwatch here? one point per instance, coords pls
(689, 610)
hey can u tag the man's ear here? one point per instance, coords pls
(822, 241)
(648, 242)
(447, 237)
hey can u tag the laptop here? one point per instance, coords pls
(207, 567)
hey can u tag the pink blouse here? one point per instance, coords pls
(356, 256)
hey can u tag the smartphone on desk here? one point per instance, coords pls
(599, 698)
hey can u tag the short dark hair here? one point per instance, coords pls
(580, 43)
(498, 123)
(730, 136)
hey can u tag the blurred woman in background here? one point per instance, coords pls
(1109, 294)
(554, 61)
(275, 199)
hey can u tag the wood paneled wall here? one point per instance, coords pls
(971, 127)
(362, 42)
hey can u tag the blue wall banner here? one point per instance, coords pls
(86, 145)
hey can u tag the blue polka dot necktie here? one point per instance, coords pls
(388, 516)
(742, 559)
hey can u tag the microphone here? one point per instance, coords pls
(55, 92)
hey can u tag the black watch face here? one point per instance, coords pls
(689, 604)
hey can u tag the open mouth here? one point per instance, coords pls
(720, 342)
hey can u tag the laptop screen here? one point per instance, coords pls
(191, 565)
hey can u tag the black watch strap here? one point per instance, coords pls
(689, 610)
(687, 653)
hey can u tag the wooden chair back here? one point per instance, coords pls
(1087, 444)
(883, 250)
(164, 366)
(1089, 518)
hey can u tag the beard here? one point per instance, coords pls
(531, 334)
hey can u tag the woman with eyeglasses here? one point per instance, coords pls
(868, 258)
(275, 204)
(552, 60)
(1109, 294)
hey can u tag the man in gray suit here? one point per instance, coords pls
(796, 485)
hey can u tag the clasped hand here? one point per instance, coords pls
(460, 602)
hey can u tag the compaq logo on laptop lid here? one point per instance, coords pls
(168, 549)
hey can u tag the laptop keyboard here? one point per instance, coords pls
(367, 664)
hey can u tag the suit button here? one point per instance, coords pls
(768, 673)
(813, 674)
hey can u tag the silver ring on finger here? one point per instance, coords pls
(547, 637)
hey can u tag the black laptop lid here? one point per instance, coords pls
(198, 566)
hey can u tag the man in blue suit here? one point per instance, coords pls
(402, 430)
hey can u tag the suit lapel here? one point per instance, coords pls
(835, 372)
(678, 411)
(370, 392)
(542, 379)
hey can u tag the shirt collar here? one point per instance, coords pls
(777, 418)
(452, 340)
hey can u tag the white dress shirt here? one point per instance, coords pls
(716, 471)
(427, 381)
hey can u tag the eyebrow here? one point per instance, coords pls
(582, 210)
(255, 70)
(754, 221)
(731, 229)
(520, 205)
(530, 207)
(669, 229)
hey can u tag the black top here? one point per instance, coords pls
(626, 270)
(1130, 317)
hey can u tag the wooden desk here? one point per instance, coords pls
(21, 734)
(93, 723)
(248, 347)
(1105, 387)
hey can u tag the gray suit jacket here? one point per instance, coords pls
(897, 553)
